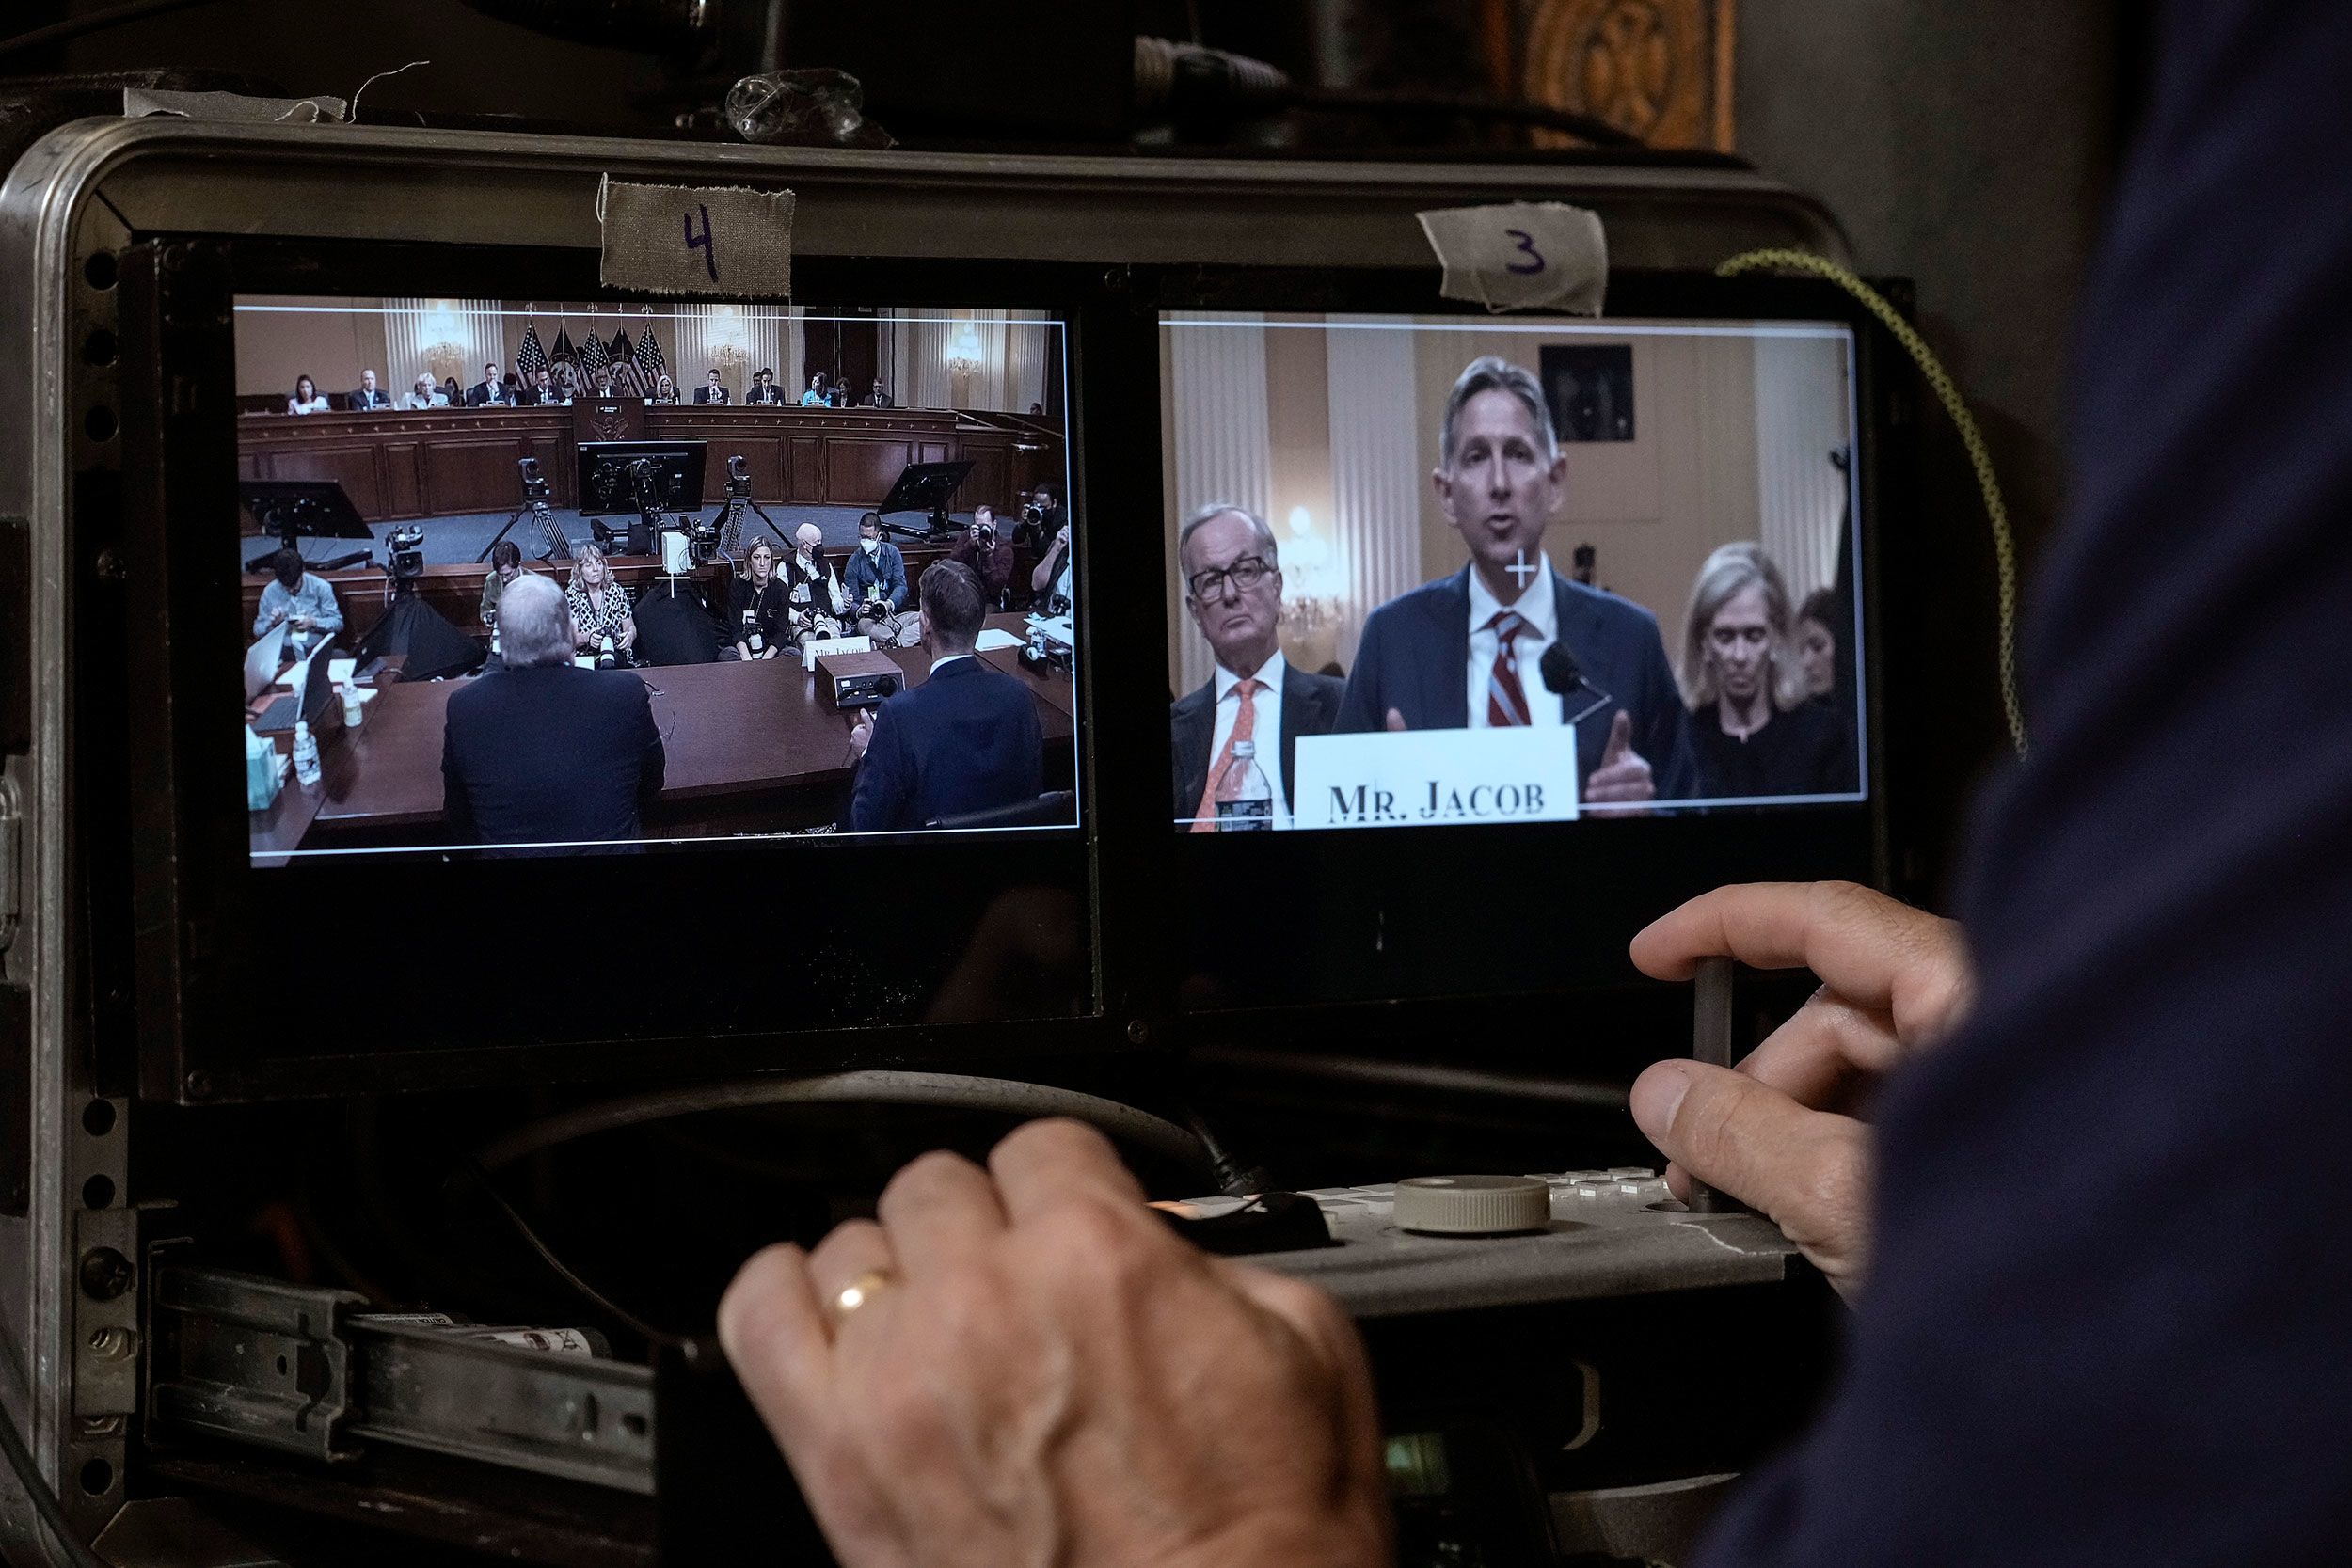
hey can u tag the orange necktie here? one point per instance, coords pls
(1245, 726)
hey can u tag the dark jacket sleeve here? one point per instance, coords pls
(878, 797)
(1363, 708)
(456, 809)
(653, 755)
(1663, 735)
(2131, 1161)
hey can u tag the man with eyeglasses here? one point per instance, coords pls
(1233, 588)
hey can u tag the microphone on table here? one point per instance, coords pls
(1562, 677)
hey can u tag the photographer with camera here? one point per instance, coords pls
(877, 585)
(813, 587)
(506, 564)
(757, 623)
(988, 556)
(303, 603)
(1052, 580)
(602, 619)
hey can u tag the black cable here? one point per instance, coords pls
(74, 27)
(45, 1505)
(531, 1237)
(1511, 111)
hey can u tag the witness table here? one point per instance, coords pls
(750, 746)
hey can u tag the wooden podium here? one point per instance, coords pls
(608, 420)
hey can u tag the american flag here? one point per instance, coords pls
(531, 359)
(649, 360)
(592, 355)
(563, 350)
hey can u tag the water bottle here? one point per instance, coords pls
(307, 754)
(1245, 800)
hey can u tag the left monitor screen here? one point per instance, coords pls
(534, 580)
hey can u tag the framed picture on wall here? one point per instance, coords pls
(1590, 388)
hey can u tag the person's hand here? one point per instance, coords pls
(1061, 540)
(299, 622)
(860, 735)
(1782, 1133)
(278, 618)
(1041, 1371)
(1624, 775)
(1396, 725)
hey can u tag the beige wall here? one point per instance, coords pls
(331, 347)
(1653, 508)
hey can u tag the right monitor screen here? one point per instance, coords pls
(1436, 571)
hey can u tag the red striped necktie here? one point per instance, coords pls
(1506, 699)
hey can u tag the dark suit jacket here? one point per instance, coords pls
(1414, 656)
(480, 392)
(550, 754)
(1310, 704)
(707, 393)
(360, 399)
(966, 739)
(770, 394)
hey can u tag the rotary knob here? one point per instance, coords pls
(1473, 1205)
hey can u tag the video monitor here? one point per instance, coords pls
(512, 680)
(1436, 571)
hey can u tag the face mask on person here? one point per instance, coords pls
(871, 546)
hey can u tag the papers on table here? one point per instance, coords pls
(993, 637)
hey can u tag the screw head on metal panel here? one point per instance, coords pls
(106, 1273)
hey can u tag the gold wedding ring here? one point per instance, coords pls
(858, 1291)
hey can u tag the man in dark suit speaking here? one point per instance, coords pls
(964, 740)
(1466, 652)
(489, 392)
(1233, 588)
(543, 752)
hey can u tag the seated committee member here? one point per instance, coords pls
(452, 395)
(815, 396)
(880, 396)
(876, 583)
(423, 394)
(813, 590)
(964, 740)
(985, 551)
(1754, 730)
(601, 621)
(546, 752)
(526, 389)
(306, 398)
(758, 622)
(711, 392)
(302, 600)
(367, 397)
(490, 392)
(1818, 620)
(1465, 652)
(506, 564)
(1233, 588)
(608, 384)
(764, 388)
(664, 390)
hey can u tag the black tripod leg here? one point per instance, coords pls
(501, 535)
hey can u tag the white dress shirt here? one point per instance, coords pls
(949, 660)
(1539, 608)
(1267, 730)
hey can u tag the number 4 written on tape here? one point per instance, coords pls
(702, 241)
(666, 238)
